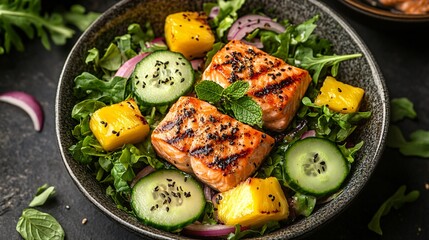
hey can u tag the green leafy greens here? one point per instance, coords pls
(418, 145)
(34, 224)
(226, 17)
(232, 100)
(19, 17)
(396, 201)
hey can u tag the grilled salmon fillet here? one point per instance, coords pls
(275, 85)
(221, 151)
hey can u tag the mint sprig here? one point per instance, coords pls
(231, 100)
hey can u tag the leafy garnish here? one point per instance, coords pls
(226, 17)
(396, 201)
(335, 126)
(349, 152)
(43, 194)
(402, 108)
(25, 17)
(34, 224)
(90, 87)
(305, 58)
(209, 56)
(303, 204)
(418, 145)
(232, 100)
(78, 17)
(267, 227)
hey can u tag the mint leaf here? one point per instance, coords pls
(34, 224)
(247, 111)
(402, 108)
(43, 194)
(236, 90)
(396, 201)
(209, 91)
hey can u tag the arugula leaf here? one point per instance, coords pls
(85, 108)
(396, 201)
(25, 17)
(34, 224)
(43, 193)
(305, 58)
(334, 126)
(402, 108)
(231, 100)
(417, 146)
(267, 227)
(78, 17)
(209, 56)
(303, 204)
(349, 152)
(90, 87)
(227, 15)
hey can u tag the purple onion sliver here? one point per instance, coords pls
(127, 68)
(214, 12)
(27, 103)
(243, 22)
(310, 133)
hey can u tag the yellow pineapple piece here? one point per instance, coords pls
(253, 203)
(119, 124)
(189, 33)
(339, 97)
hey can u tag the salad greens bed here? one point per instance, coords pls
(298, 45)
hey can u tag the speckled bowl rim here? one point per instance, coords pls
(298, 229)
(375, 12)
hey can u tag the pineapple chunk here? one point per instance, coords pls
(253, 203)
(189, 33)
(339, 97)
(119, 124)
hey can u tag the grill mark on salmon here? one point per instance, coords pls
(273, 88)
(224, 162)
(219, 150)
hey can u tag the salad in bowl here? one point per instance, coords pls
(221, 123)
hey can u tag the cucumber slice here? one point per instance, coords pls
(168, 199)
(162, 77)
(315, 166)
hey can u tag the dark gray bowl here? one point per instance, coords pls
(362, 72)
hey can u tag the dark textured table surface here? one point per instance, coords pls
(28, 159)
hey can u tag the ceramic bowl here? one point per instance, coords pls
(363, 72)
(376, 10)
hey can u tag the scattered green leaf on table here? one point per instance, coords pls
(34, 224)
(79, 18)
(42, 195)
(402, 108)
(396, 201)
(417, 146)
(24, 17)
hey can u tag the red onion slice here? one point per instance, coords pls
(206, 230)
(127, 68)
(158, 41)
(214, 12)
(243, 22)
(144, 172)
(197, 64)
(27, 103)
(262, 24)
(310, 133)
